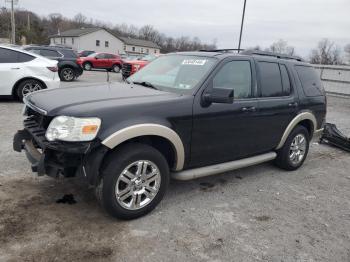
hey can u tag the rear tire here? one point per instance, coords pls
(67, 74)
(294, 151)
(134, 181)
(28, 86)
(116, 68)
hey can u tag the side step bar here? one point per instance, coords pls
(224, 167)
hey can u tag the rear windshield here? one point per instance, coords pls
(310, 81)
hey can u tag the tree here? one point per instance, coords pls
(281, 47)
(326, 53)
(80, 20)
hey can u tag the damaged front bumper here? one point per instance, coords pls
(58, 157)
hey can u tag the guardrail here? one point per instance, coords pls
(336, 79)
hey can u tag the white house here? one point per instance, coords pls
(102, 40)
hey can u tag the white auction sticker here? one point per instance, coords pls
(199, 62)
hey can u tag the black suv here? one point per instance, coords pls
(68, 68)
(185, 115)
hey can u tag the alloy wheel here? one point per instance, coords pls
(297, 149)
(68, 74)
(30, 87)
(138, 184)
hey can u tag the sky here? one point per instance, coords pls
(300, 22)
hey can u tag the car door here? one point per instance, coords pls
(11, 69)
(277, 101)
(225, 132)
(101, 61)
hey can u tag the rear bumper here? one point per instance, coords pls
(55, 83)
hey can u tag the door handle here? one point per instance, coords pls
(294, 104)
(15, 68)
(249, 109)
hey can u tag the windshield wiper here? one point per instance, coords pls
(146, 84)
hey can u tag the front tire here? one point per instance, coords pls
(87, 66)
(67, 74)
(28, 86)
(294, 151)
(134, 181)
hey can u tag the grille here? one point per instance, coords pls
(126, 69)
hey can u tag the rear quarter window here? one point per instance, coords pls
(310, 81)
(12, 56)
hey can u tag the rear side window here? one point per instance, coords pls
(270, 79)
(12, 56)
(310, 81)
(69, 53)
(49, 53)
(285, 80)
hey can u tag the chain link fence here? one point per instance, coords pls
(336, 79)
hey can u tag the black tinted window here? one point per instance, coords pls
(50, 53)
(69, 53)
(11, 56)
(270, 79)
(236, 75)
(24, 57)
(310, 81)
(285, 80)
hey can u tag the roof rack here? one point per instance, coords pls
(277, 55)
(222, 50)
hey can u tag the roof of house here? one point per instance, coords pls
(127, 40)
(138, 42)
(76, 32)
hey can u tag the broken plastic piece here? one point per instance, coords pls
(332, 136)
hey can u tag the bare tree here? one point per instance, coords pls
(326, 53)
(281, 46)
(80, 20)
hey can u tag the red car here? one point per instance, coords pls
(101, 60)
(133, 65)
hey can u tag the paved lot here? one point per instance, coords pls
(255, 214)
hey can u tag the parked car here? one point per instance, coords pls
(85, 53)
(101, 60)
(132, 65)
(68, 68)
(185, 115)
(22, 72)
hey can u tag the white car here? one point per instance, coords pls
(22, 72)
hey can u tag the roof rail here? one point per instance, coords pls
(222, 50)
(277, 55)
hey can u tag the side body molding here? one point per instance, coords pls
(296, 120)
(149, 130)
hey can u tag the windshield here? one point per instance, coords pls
(92, 55)
(178, 73)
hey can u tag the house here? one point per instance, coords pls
(103, 40)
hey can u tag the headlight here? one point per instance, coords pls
(137, 67)
(66, 128)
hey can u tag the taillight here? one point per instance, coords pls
(52, 68)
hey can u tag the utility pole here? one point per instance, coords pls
(240, 34)
(13, 25)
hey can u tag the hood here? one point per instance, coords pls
(89, 100)
(137, 62)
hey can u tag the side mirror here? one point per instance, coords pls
(219, 95)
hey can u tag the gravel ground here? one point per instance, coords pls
(255, 214)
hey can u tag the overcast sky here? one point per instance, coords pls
(301, 22)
